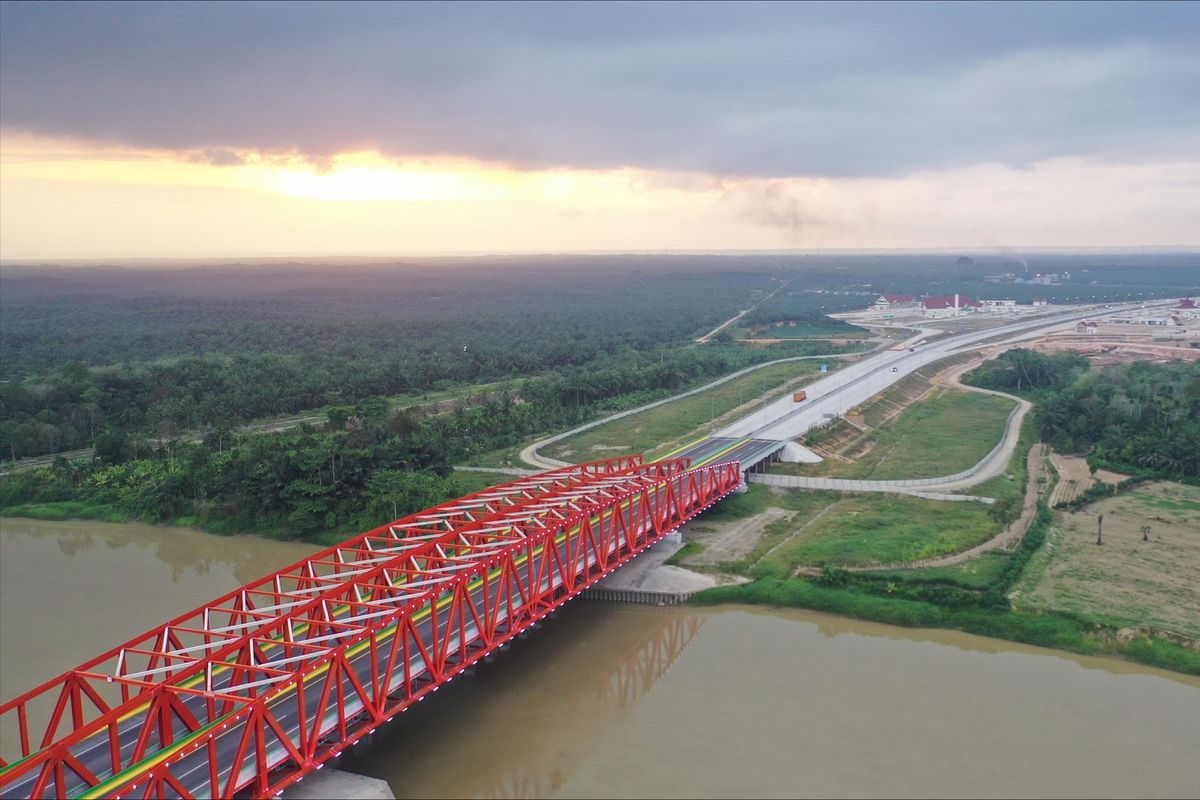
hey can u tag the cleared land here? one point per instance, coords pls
(660, 430)
(742, 529)
(1075, 477)
(949, 431)
(1126, 581)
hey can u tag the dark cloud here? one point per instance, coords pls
(217, 156)
(774, 205)
(767, 90)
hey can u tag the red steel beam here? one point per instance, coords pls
(272, 680)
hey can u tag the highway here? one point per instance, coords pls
(855, 383)
(766, 431)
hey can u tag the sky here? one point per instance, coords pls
(187, 130)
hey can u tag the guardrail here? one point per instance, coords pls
(637, 596)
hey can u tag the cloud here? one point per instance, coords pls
(217, 157)
(775, 204)
(764, 90)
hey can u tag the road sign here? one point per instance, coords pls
(824, 368)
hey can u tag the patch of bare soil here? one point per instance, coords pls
(1108, 476)
(729, 541)
(1074, 478)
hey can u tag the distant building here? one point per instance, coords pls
(948, 305)
(1187, 302)
(1000, 303)
(1087, 326)
(890, 301)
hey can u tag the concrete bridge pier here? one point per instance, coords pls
(337, 783)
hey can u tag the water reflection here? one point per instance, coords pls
(72, 590)
(183, 550)
(832, 627)
(756, 702)
(591, 663)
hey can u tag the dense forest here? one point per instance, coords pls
(87, 353)
(1144, 417)
(365, 466)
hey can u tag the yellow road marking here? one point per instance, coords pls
(681, 449)
(721, 452)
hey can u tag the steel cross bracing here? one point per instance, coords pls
(253, 691)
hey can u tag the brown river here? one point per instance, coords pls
(631, 701)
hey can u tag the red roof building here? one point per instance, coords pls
(1187, 302)
(887, 301)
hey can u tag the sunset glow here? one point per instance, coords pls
(76, 199)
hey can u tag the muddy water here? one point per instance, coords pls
(73, 590)
(626, 701)
(621, 701)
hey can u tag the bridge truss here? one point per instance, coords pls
(251, 692)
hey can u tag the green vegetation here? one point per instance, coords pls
(802, 312)
(755, 500)
(1045, 630)
(805, 325)
(60, 510)
(977, 605)
(978, 572)
(1142, 418)
(659, 429)
(155, 353)
(863, 529)
(948, 432)
(471, 482)
(689, 549)
(319, 484)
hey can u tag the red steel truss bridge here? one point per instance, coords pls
(256, 689)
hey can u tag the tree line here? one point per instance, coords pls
(1141, 417)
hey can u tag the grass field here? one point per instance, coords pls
(943, 434)
(1126, 581)
(659, 430)
(883, 529)
(503, 457)
(806, 331)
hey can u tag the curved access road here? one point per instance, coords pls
(993, 464)
(530, 454)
